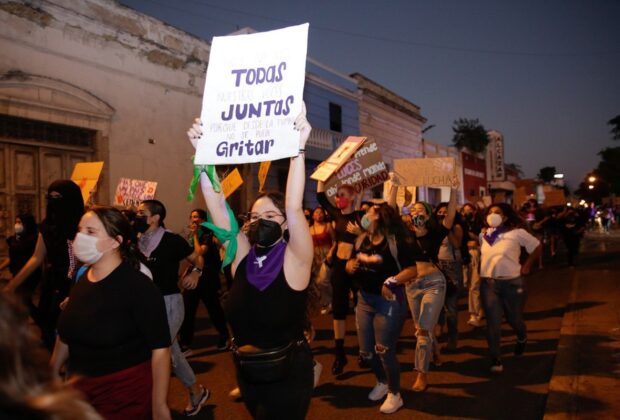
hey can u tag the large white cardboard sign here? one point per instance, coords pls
(253, 93)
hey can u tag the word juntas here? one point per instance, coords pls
(267, 108)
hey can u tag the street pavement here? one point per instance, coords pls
(462, 386)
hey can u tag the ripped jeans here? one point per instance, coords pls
(175, 310)
(379, 322)
(505, 296)
(426, 298)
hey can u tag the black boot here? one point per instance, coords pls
(340, 359)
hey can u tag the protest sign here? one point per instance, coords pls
(232, 181)
(86, 175)
(263, 170)
(341, 155)
(364, 170)
(427, 172)
(554, 198)
(131, 192)
(253, 93)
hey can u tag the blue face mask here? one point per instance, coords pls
(365, 222)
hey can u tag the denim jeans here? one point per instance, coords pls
(426, 296)
(505, 296)
(473, 274)
(176, 311)
(454, 273)
(379, 322)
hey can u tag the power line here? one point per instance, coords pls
(379, 38)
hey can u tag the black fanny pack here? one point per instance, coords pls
(266, 366)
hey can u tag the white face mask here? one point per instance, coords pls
(494, 220)
(19, 228)
(85, 248)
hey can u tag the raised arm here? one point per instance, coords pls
(216, 203)
(299, 252)
(32, 264)
(449, 219)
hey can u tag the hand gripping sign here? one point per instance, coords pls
(253, 93)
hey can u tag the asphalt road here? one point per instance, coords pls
(461, 387)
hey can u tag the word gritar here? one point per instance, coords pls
(244, 147)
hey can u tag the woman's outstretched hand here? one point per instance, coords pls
(303, 126)
(195, 132)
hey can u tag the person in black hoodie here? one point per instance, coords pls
(64, 210)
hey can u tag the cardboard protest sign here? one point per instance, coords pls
(232, 181)
(130, 192)
(338, 158)
(427, 172)
(554, 198)
(253, 93)
(263, 170)
(364, 170)
(86, 175)
(519, 197)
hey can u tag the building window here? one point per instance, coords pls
(335, 117)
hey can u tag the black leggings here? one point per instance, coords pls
(287, 399)
(208, 291)
(341, 286)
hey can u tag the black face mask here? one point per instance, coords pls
(140, 224)
(264, 232)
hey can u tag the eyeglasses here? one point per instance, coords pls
(252, 217)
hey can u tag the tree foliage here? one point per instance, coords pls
(615, 127)
(546, 174)
(469, 134)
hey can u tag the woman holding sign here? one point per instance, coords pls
(347, 229)
(427, 292)
(266, 307)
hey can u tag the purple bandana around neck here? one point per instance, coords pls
(263, 270)
(493, 233)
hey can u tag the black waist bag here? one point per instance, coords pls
(267, 366)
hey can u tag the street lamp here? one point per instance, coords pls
(590, 187)
(591, 178)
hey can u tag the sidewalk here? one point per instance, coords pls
(586, 376)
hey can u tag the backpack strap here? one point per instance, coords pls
(80, 272)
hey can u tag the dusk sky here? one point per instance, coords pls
(544, 73)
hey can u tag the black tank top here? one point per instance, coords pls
(266, 319)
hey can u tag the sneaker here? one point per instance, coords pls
(317, 369)
(520, 347)
(496, 366)
(186, 351)
(378, 392)
(474, 321)
(235, 393)
(391, 404)
(222, 343)
(196, 402)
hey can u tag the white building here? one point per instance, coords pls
(93, 80)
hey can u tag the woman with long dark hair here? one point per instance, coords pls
(65, 207)
(382, 263)
(502, 287)
(113, 331)
(426, 294)
(266, 306)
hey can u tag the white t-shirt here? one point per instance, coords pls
(502, 259)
